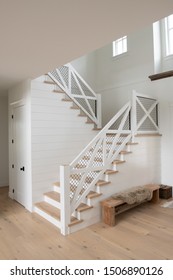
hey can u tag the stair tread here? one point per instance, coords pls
(118, 161)
(74, 107)
(93, 194)
(128, 143)
(82, 207)
(58, 91)
(82, 115)
(110, 171)
(53, 195)
(148, 135)
(49, 209)
(49, 82)
(57, 184)
(74, 221)
(89, 121)
(125, 152)
(67, 100)
(102, 183)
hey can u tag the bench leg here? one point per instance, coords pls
(109, 216)
(155, 198)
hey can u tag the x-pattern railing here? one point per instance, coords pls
(70, 81)
(148, 114)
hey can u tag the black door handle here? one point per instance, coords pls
(22, 168)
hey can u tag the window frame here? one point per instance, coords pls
(167, 31)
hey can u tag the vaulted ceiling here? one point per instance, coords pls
(38, 35)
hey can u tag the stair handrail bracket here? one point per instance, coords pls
(90, 166)
(71, 82)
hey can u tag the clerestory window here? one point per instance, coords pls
(169, 35)
(119, 46)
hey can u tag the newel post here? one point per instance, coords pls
(65, 198)
(133, 115)
(99, 111)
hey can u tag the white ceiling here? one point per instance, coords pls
(38, 35)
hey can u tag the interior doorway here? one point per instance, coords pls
(19, 148)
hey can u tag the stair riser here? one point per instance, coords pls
(57, 189)
(101, 189)
(128, 149)
(52, 202)
(48, 217)
(84, 224)
(93, 201)
(84, 215)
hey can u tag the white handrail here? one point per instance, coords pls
(71, 82)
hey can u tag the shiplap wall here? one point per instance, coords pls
(142, 166)
(58, 135)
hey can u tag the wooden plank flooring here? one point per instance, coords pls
(145, 232)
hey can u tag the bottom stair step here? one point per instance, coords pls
(74, 221)
(49, 210)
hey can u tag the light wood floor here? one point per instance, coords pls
(145, 232)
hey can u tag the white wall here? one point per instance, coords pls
(86, 67)
(4, 141)
(117, 77)
(164, 90)
(22, 91)
(58, 136)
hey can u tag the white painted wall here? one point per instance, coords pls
(58, 135)
(117, 77)
(22, 91)
(4, 141)
(86, 67)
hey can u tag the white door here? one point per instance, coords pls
(19, 152)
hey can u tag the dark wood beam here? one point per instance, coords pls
(162, 75)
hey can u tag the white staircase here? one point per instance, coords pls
(74, 201)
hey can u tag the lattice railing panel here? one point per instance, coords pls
(64, 70)
(147, 125)
(154, 114)
(85, 89)
(146, 102)
(83, 104)
(78, 90)
(146, 114)
(139, 113)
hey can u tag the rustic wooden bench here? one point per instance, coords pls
(114, 206)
